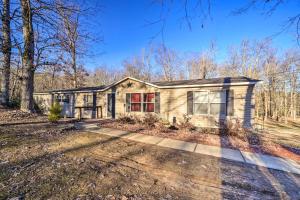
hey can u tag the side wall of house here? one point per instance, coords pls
(174, 104)
(43, 100)
(79, 102)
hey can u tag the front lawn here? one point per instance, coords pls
(45, 161)
(55, 161)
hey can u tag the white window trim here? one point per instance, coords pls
(208, 110)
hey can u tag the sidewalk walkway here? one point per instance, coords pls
(271, 162)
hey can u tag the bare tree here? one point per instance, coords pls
(41, 25)
(73, 39)
(103, 75)
(69, 38)
(168, 60)
(6, 49)
(140, 66)
(276, 97)
(202, 66)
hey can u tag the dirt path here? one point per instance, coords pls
(79, 165)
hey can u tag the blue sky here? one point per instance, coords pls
(123, 24)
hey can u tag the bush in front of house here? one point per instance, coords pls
(150, 120)
(55, 111)
(126, 119)
(234, 128)
(186, 124)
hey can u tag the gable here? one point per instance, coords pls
(128, 83)
(131, 85)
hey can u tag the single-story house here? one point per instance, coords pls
(204, 101)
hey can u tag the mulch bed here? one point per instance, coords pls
(250, 142)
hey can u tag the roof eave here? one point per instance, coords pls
(156, 86)
(124, 79)
(210, 85)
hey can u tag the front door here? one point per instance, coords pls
(111, 101)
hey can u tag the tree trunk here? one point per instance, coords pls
(266, 106)
(53, 78)
(6, 50)
(293, 97)
(285, 104)
(27, 85)
(74, 66)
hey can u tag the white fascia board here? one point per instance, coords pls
(124, 79)
(41, 93)
(63, 92)
(208, 85)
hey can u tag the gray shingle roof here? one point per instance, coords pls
(222, 80)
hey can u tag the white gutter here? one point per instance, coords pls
(209, 85)
(42, 93)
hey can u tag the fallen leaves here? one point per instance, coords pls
(250, 142)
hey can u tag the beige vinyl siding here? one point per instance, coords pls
(127, 86)
(174, 104)
(43, 100)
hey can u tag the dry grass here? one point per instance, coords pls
(231, 136)
(286, 134)
(49, 162)
(46, 161)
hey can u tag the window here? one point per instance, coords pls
(201, 103)
(210, 103)
(62, 98)
(66, 98)
(88, 100)
(137, 101)
(58, 98)
(217, 102)
(149, 102)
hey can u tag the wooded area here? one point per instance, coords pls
(40, 36)
(43, 42)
